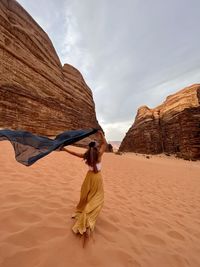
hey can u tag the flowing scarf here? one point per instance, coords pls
(29, 147)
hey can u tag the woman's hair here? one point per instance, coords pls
(91, 156)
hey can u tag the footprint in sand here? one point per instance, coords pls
(176, 235)
(153, 239)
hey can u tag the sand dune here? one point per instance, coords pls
(151, 215)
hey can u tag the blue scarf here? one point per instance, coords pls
(29, 147)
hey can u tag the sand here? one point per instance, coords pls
(151, 215)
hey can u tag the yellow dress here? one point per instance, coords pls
(90, 204)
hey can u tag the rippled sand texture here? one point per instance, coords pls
(151, 215)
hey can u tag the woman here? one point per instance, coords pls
(92, 193)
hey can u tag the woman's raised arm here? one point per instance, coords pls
(80, 155)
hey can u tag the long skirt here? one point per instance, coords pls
(90, 204)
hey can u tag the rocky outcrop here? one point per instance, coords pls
(36, 93)
(109, 148)
(173, 127)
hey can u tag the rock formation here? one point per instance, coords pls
(173, 127)
(36, 93)
(109, 148)
(115, 145)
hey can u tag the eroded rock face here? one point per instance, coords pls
(36, 93)
(172, 127)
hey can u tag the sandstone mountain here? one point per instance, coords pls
(173, 127)
(37, 93)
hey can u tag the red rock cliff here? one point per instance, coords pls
(36, 93)
(173, 127)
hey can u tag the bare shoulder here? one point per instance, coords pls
(77, 154)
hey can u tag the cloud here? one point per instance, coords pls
(50, 16)
(130, 52)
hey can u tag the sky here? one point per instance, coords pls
(130, 52)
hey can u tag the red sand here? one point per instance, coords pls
(151, 215)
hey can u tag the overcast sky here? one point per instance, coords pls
(130, 52)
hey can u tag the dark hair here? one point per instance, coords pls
(92, 144)
(91, 156)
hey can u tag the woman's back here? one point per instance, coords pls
(98, 167)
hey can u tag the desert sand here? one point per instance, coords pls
(151, 214)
